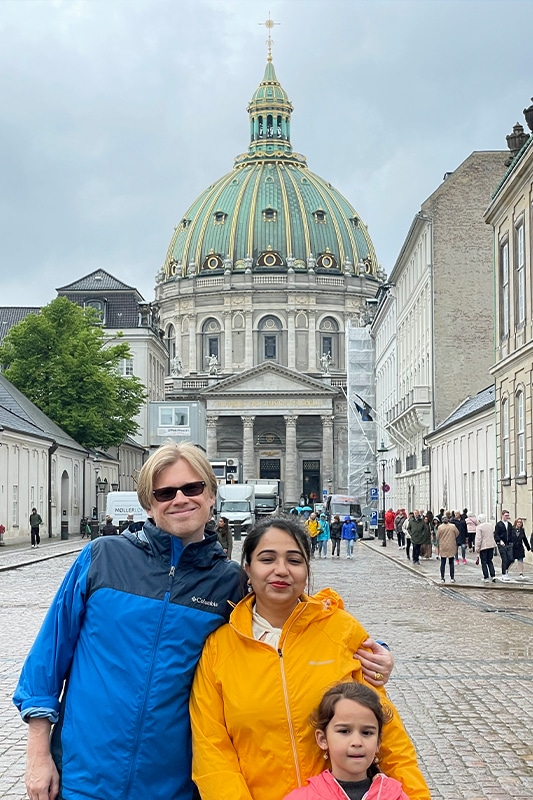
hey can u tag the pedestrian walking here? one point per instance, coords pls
(519, 543)
(446, 546)
(407, 534)
(349, 535)
(504, 538)
(348, 729)
(323, 537)
(109, 529)
(335, 531)
(35, 521)
(312, 526)
(419, 530)
(399, 519)
(471, 524)
(484, 547)
(389, 524)
(460, 524)
(224, 535)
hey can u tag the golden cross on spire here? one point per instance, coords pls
(269, 24)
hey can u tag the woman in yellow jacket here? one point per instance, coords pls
(260, 677)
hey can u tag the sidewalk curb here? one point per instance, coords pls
(527, 585)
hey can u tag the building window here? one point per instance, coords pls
(270, 338)
(329, 339)
(99, 307)
(504, 290)
(270, 347)
(210, 342)
(473, 493)
(15, 506)
(520, 289)
(126, 367)
(482, 493)
(492, 492)
(520, 434)
(506, 470)
(173, 416)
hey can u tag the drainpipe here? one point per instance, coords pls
(51, 451)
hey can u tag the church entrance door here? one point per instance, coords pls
(311, 481)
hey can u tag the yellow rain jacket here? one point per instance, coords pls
(250, 704)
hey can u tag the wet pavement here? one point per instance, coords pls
(462, 680)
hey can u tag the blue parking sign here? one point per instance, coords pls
(374, 493)
(373, 519)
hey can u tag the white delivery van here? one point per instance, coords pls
(236, 502)
(120, 504)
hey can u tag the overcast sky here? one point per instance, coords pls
(116, 114)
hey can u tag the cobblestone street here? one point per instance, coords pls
(462, 680)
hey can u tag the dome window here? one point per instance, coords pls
(185, 223)
(270, 259)
(355, 221)
(220, 217)
(212, 262)
(320, 216)
(270, 215)
(327, 261)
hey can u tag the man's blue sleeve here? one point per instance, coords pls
(46, 666)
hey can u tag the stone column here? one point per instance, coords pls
(228, 348)
(193, 366)
(211, 443)
(291, 342)
(292, 487)
(311, 342)
(327, 451)
(249, 342)
(248, 459)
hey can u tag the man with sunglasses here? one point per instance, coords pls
(112, 666)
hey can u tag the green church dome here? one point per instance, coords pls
(270, 213)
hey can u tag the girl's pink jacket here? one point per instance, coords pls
(325, 787)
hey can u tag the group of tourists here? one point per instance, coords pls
(165, 670)
(452, 533)
(320, 532)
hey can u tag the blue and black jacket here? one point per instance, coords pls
(121, 641)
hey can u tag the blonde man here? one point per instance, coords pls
(127, 626)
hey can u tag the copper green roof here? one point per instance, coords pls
(270, 211)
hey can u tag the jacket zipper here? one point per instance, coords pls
(174, 558)
(287, 703)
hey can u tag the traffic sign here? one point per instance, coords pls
(386, 488)
(373, 523)
(374, 493)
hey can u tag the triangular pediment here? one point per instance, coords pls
(268, 379)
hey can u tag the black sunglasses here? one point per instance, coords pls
(170, 492)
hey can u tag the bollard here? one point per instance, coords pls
(237, 531)
(64, 530)
(95, 532)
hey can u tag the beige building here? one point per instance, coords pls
(510, 214)
(441, 297)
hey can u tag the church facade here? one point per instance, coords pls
(264, 273)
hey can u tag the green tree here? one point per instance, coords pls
(58, 359)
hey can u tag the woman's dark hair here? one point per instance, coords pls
(287, 524)
(359, 693)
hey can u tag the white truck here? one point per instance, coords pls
(120, 504)
(268, 499)
(236, 502)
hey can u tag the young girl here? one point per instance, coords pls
(348, 724)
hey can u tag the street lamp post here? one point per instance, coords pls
(383, 463)
(368, 481)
